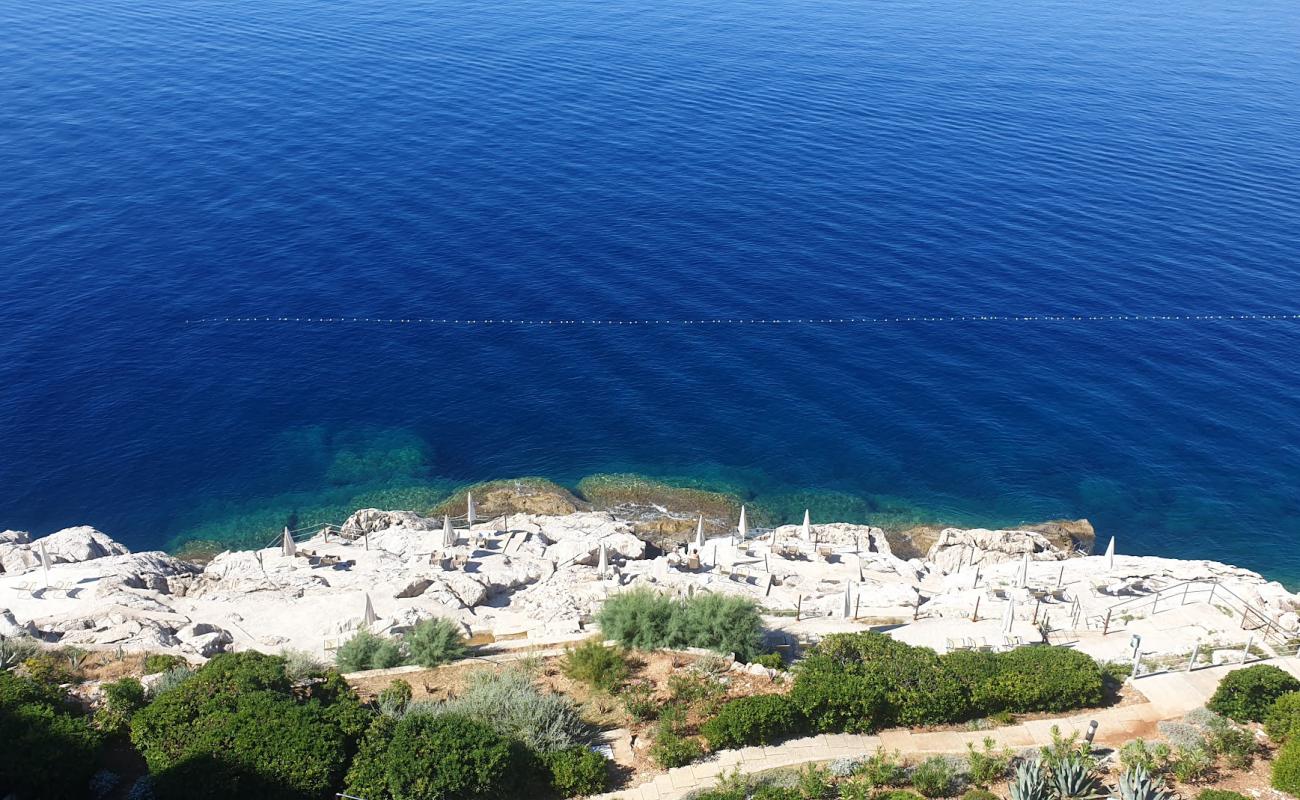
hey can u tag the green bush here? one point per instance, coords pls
(813, 782)
(761, 719)
(1154, 758)
(1236, 744)
(1286, 767)
(394, 698)
(647, 620)
(515, 708)
(1245, 695)
(863, 681)
(692, 686)
(1192, 764)
(639, 700)
(161, 662)
(121, 700)
(366, 650)
(436, 641)
(882, 770)
(770, 660)
(987, 765)
(49, 751)
(596, 665)
(935, 777)
(897, 794)
(979, 794)
(1283, 717)
(1220, 794)
(236, 727)
(577, 771)
(671, 749)
(436, 757)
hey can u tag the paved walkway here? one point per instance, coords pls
(1168, 696)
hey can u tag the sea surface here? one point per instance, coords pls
(169, 161)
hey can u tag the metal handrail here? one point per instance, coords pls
(1270, 627)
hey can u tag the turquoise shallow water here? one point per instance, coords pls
(167, 161)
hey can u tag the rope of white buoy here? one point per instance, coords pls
(751, 321)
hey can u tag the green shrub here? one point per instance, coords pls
(1236, 744)
(45, 666)
(155, 663)
(1220, 794)
(512, 705)
(236, 727)
(979, 794)
(1192, 764)
(366, 650)
(897, 794)
(596, 665)
(832, 699)
(1154, 758)
(692, 686)
(671, 749)
(761, 719)
(813, 782)
(855, 789)
(1245, 695)
(639, 700)
(1032, 679)
(882, 770)
(48, 751)
(647, 620)
(1286, 767)
(863, 681)
(987, 765)
(121, 700)
(577, 771)
(436, 641)
(770, 660)
(394, 698)
(935, 777)
(1283, 717)
(436, 757)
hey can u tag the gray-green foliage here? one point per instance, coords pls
(1030, 782)
(646, 619)
(515, 708)
(1138, 784)
(394, 699)
(366, 650)
(1074, 779)
(299, 665)
(14, 650)
(935, 777)
(436, 641)
(170, 680)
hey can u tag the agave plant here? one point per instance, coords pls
(14, 650)
(1138, 784)
(1029, 782)
(1074, 779)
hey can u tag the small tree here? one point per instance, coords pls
(436, 641)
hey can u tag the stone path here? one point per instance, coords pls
(1168, 696)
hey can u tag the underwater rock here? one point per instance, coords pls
(515, 496)
(660, 513)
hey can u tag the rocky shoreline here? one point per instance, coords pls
(542, 564)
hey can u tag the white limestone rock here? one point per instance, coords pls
(955, 548)
(74, 545)
(373, 520)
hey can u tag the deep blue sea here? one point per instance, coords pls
(163, 161)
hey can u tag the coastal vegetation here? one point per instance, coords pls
(649, 620)
(429, 643)
(287, 728)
